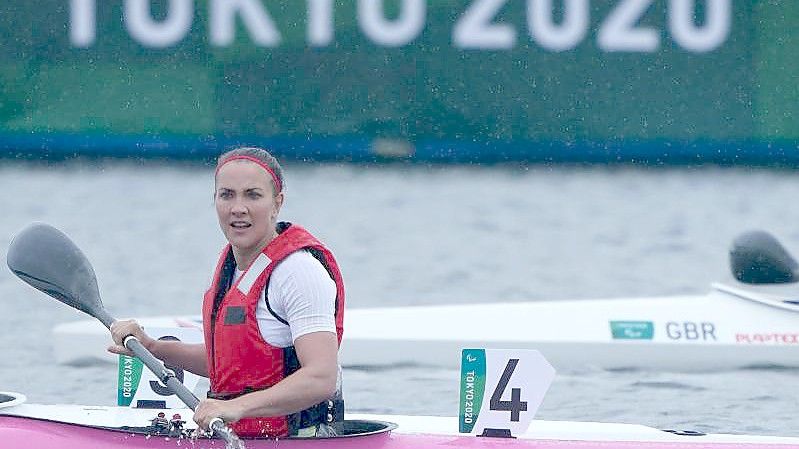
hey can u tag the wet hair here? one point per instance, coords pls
(259, 154)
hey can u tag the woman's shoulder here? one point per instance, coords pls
(300, 264)
(299, 278)
(301, 258)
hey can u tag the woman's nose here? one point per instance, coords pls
(238, 208)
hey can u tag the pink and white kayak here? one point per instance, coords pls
(94, 427)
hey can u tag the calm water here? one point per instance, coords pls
(420, 235)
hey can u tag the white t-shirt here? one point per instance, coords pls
(300, 292)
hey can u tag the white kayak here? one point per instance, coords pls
(732, 326)
(78, 426)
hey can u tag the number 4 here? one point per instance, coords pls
(515, 406)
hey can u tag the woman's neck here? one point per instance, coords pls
(246, 256)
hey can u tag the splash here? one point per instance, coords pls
(232, 441)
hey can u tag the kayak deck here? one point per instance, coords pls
(113, 425)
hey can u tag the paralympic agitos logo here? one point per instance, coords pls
(478, 26)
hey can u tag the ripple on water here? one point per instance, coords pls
(667, 385)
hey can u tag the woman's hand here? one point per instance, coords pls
(124, 328)
(208, 409)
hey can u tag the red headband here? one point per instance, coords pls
(278, 184)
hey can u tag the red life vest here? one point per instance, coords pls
(239, 359)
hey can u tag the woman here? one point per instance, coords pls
(272, 318)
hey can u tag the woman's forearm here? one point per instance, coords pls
(299, 391)
(188, 356)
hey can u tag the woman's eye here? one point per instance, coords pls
(254, 195)
(225, 194)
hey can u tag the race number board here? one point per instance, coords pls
(138, 387)
(501, 390)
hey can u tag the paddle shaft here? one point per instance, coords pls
(166, 376)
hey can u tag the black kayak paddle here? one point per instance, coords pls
(48, 260)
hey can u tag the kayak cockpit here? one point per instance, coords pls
(789, 304)
(353, 428)
(358, 427)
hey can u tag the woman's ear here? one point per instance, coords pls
(278, 203)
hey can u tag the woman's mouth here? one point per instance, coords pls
(240, 225)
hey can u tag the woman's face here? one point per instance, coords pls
(246, 205)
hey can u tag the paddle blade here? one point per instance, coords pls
(46, 258)
(756, 257)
